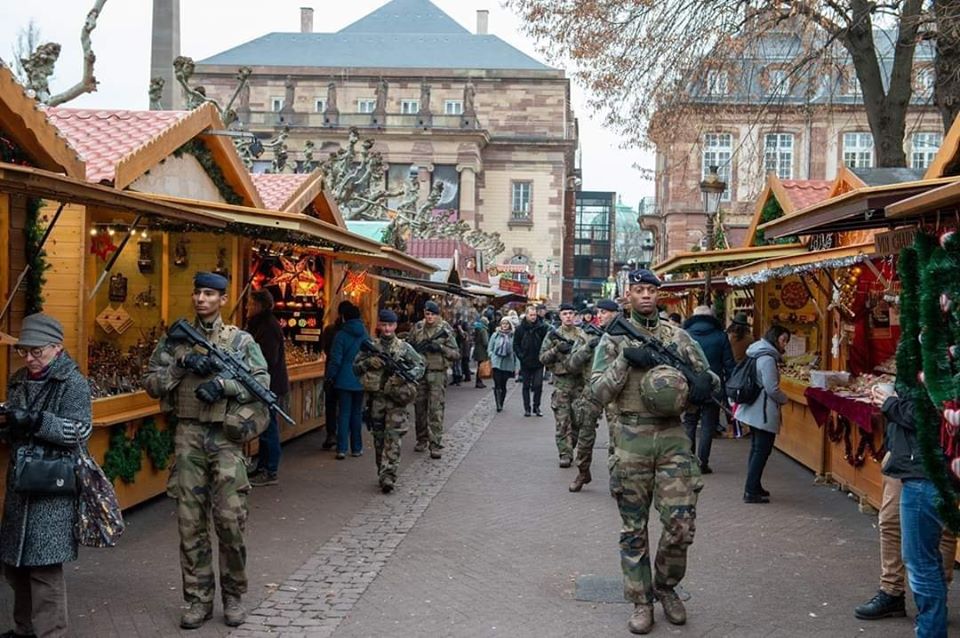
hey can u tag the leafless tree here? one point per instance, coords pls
(28, 39)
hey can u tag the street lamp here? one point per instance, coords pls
(646, 251)
(712, 188)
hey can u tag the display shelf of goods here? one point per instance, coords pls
(114, 370)
(296, 283)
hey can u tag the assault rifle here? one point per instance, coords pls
(663, 354)
(421, 345)
(559, 337)
(230, 365)
(592, 330)
(391, 364)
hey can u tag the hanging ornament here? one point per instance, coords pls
(297, 276)
(946, 237)
(953, 352)
(922, 378)
(952, 417)
(945, 302)
(356, 284)
(102, 245)
(857, 270)
(955, 467)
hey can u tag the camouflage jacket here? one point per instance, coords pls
(449, 350)
(374, 379)
(564, 365)
(176, 386)
(613, 380)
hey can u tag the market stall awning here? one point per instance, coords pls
(932, 201)
(406, 284)
(36, 182)
(677, 285)
(858, 209)
(696, 261)
(779, 267)
(436, 286)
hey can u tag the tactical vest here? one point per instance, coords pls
(562, 368)
(630, 399)
(422, 333)
(188, 406)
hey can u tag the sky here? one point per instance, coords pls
(121, 43)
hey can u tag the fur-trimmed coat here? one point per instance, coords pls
(38, 530)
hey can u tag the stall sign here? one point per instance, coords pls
(892, 242)
(511, 285)
(822, 241)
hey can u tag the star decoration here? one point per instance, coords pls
(102, 245)
(296, 275)
(356, 284)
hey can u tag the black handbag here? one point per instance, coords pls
(40, 469)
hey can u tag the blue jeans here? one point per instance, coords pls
(269, 454)
(350, 421)
(761, 445)
(920, 529)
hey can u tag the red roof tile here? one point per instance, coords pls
(806, 192)
(276, 188)
(104, 137)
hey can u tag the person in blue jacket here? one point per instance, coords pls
(346, 345)
(707, 331)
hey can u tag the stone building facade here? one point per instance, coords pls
(495, 125)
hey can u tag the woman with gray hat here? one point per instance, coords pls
(48, 406)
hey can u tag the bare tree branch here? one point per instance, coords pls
(88, 83)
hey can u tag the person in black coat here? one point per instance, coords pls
(527, 340)
(707, 331)
(265, 329)
(331, 403)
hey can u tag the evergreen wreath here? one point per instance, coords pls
(124, 456)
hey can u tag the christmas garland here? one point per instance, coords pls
(123, 458)
(203, 155)
(33, 232)
(765, 275)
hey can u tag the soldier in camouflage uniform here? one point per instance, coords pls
(557, 355)
(389, 395)
(587, 410)
(652, 463)
(434, 339)
(209, 472)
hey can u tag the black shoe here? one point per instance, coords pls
(13, 634)
(754, 498)
(386, 488)
(764, 493)
(706, 469)
(883, 605)
(526, 413)
(480, 385)
(499, 408)
(341, 456)
(538, 412)
(264, 479)
(329, 444)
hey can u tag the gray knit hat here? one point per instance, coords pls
(39, 330)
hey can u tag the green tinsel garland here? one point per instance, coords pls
(203, 155)
(124, 456)
(158, 444)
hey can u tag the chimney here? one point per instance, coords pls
(164, 47)
(483, 21)
(306, 19)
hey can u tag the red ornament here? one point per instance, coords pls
(102, 245)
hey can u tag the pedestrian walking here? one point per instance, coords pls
(209, 476)
(330, 412)
(265, 329)
(527, 338)
(563, 352)
(456, 370)
(466, 346)
(740, 336)
(389, 394)
(910, 531)
(763, 415)
(652, 463)
(47, 410)
(346, 345)
(503, 359)
(707, 331)
(433, 338)
(481, 340)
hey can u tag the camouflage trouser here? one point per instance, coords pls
(613, 427)
(431, 399)
(388, 425)
(586, 418)
(564, 394)
(652, 464)
(210, 476)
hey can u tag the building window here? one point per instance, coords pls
(453, 107)
(409, 107)
(366, 105)
(717, 151)
(320, 104)
(778, 82)
(717, 82)
(276, 104)
(858, 150)
(778, 154)
(923, 82)
(520, 198)
(923, 148)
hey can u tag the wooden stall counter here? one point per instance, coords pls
(305, 401)
(799, 436)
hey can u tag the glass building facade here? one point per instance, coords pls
(594, 219)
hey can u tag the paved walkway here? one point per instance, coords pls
(488, 542)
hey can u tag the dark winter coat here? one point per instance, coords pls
(346, 345)
(900, 439)
(709, 333)
(38, 530)
(527, 339)
(266, 331)
(480, 341)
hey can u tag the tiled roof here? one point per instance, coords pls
(103, 138)
(437, 248)
(276, 188)
(806, 192)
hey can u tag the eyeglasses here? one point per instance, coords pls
(36, 353)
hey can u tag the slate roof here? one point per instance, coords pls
(883, 176)
(806, 192)
(402, 34)
(276, 188)
(104, 137)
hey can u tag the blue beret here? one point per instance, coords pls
(388, 316)
(644, 276)
(608, 304)
(210, 280)
(431, 306)
(567, 306)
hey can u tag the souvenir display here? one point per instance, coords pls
(297, 285)
(118, 288)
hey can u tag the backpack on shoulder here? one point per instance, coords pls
(743, 386)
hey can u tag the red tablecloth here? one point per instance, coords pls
(867, 416)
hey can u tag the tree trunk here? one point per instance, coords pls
(946, 88)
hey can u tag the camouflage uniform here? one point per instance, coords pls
(568, 382)
(209, 472)
(389, 396)
(652, 463)
(431, 393)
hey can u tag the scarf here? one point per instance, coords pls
(504, 347)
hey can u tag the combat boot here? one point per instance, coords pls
(233, 612)
(582, 479)
(641, 622)
(196, 615)
(420, 447)
(565, 461)
(435, 453)
(673, 607)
